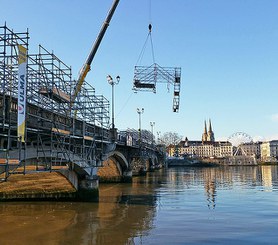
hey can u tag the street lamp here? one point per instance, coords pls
(113, 83)
(140, 112)
(152, 125)
(158, 137)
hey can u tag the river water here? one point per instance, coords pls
(217, 205)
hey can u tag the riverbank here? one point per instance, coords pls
(37, 186)
(53, 185)
(189, 163)
(211, 162)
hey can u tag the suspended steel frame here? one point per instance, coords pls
(147, 77)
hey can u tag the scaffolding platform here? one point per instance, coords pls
(56, 94)
(53, 133)
(147, 77)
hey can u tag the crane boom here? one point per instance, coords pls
(87, 65)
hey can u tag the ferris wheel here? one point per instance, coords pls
(239, 137)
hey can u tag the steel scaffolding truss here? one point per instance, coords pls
(131, 137)
(50, 81)
(8, 90)
(62, 130)
(147, 77)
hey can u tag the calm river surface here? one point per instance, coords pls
(231, 205)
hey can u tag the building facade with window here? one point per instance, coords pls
(205, 148)
(269, 151)
(249, 149)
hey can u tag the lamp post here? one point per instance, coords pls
(140, 112)
(113, 83)
(152, 125)
(158, 137)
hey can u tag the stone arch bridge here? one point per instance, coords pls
(127, 161)
(58, 128)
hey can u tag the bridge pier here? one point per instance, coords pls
(88, 188)
(86, 185)
(127, 176)
(139, 166)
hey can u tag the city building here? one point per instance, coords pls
(269, 151)
(243, 154)
(249, 149)
(205, 148)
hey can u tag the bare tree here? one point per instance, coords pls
(171, 138)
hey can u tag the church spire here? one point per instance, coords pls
(205, 134)
(210, 128)
(210, 136)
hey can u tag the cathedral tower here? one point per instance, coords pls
(210, 135)
(205, 134)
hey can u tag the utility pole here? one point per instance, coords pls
(140, 112)
(113, 83)
(152, 126)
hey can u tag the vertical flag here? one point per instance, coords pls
(21, 102)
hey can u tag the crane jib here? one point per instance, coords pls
(86, 66)
(102, 32)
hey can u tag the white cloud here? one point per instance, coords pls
(274, 117)
(272, 137)
(258, 138)
(222, 138)
(267, 138)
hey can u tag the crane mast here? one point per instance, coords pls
(87, 65)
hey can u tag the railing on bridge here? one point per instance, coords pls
(131, 137)
(59, 130)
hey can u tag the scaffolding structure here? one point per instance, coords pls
(131, 137)
(59, 129)
(147, 77)
(8, 90)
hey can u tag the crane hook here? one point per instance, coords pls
(150, 27)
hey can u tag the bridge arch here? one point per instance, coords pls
(152, 162)
(121, 159)
(113, 168)
(155, 161)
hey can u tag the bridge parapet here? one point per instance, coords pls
(127, 161)
(60, 127)
(59, 130)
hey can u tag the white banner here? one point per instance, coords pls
(21, 103)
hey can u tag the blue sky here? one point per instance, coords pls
(227, 50)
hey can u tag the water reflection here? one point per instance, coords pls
(267, 177)
(124, 211)
(147, 211)
(214, 178)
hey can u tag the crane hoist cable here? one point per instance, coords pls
(146, 77)
(149, 38)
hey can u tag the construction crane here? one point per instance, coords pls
(147, 77)
(87, 65)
